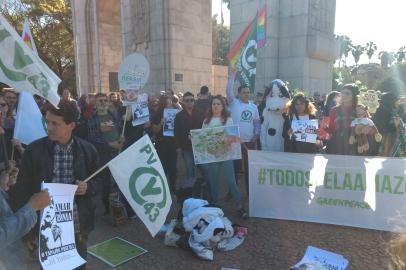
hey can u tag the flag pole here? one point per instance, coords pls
(105, 165)
(96, 172)
(12, 152)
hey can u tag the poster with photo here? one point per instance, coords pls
(57, 247)
(319, 259)
(216, 144)
(169, 117)
(140, 110)
(305, 130)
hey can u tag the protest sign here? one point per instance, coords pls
(30, 124)
(343, 190)
(140, 110)
(116, 251)
(143, 182)
(57, 248)
(134, 72)
(305, 130)
(319, 259)
(216, 144)
(169, 117)
(370, 99)
(22, 69)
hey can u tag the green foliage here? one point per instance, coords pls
(371, 49)
(357, 51)
(386, 58)
(51, 27)
(220, 42)
(400, 55)
(227, 2)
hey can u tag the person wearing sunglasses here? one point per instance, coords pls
(104, 130)
(184, 122)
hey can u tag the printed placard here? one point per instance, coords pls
(57, 247)
(216, 144)
(305, 130)
(169, 117)
(140, 110)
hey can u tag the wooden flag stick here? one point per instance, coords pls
(96, 172)
(12, 152)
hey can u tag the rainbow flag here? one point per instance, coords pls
(261, 27)
(27, 37)
(243, 55)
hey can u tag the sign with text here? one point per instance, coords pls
(57, 248)
(134, 72)
(343, 190)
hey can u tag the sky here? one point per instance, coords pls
(380, 21)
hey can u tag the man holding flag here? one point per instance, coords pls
(61, 158)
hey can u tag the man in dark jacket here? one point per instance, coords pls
(61, 158)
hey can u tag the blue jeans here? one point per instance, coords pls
(190, 168)
(213, 173)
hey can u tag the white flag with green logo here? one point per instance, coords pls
(21, 69)
(141, 178)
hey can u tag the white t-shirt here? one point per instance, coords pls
(217, 122)
(243, 115)
(303, 117)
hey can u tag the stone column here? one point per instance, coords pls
(300, 41)
(175, 36)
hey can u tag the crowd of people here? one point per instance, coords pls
(85, 134)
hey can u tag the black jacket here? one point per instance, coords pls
(37, 166)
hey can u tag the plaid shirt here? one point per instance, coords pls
(63, 173)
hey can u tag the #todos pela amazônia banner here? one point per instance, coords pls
(343, 190)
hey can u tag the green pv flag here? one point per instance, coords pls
(22, 69)
(243, 55)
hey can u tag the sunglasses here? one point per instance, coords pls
(189, 100)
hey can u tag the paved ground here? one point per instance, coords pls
(271, 244)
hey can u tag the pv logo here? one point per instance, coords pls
(246, 115)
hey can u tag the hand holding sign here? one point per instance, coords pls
(40, 200)
(82, 188)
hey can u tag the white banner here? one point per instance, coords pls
(57, 248)
(343, 190)
(141, 178)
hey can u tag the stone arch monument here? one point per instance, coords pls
(175, 36)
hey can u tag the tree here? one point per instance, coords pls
(400, 55)
(371, 49)
(386, 58)
(221, 42)
(356, 52)
(345, 45)
(51, 26)
(226, 2)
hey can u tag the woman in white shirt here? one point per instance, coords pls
(219, 116)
